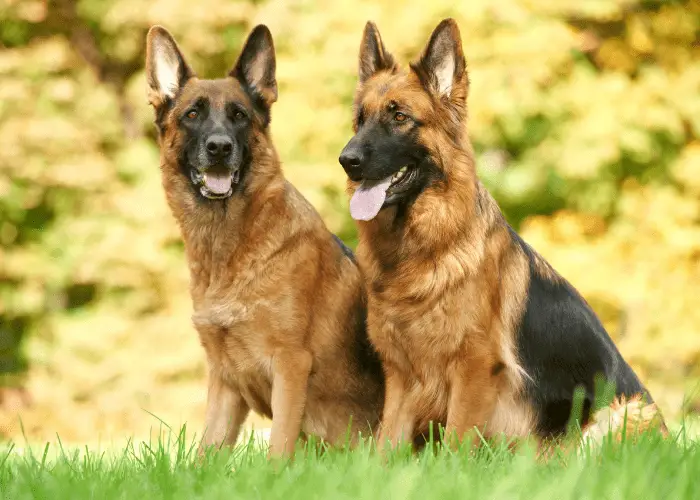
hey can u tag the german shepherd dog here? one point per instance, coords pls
(473, 327)
(279, 302)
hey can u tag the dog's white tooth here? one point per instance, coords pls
(400, 174)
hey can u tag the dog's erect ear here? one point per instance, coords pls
(442, 68)
(373, 55)
(166, 68)
(256, 66)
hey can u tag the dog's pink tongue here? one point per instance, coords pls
(217, 183)
(368, 199)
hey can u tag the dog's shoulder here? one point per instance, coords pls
(305, 211)
(296, 201)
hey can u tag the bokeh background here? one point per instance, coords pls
(585, 117)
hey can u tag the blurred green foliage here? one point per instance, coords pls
(585, 118)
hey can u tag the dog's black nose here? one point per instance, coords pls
(219, 146)
(352, 160)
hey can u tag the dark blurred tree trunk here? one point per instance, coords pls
(63, 18)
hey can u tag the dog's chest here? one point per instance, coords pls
(420, 334)
(236, 338)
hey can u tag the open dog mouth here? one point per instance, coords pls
(371, 195)
(215, 185)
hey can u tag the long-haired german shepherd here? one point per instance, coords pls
(279, 302)
(474, 328)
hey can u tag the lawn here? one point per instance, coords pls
(168, 468)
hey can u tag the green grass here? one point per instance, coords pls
(652, 468)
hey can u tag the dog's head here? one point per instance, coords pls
(206, 126)
(405, 122)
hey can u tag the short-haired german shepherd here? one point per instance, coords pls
(279, 302)
(474, 328)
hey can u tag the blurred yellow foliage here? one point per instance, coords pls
(585, 117)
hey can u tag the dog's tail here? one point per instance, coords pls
(624, 419)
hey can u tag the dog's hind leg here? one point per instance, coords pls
(624, 418)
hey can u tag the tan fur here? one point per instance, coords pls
(276, 302)
(446, 359)
(447, 285)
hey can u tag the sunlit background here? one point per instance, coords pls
(585, 117)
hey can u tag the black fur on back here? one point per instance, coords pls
(562, 345)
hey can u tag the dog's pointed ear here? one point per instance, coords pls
(373, 54)
(166, 68)
(256, 66)
(441, 67)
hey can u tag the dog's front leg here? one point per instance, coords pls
(473, 396)
(226, 412)
(398, 420)
(291, 370)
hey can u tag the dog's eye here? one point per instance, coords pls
(238, 115)
(192, 114)
(400, 117)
